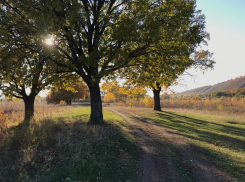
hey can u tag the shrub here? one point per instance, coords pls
(120, 103)
(148, 102)
(131, 103)
(207, 102)
(220, 107)
(141, 102)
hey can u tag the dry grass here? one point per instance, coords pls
(218, 105)
(143, 102)
(15, 111)
(218, 114)
(59, 145)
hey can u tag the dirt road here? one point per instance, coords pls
(166, 156)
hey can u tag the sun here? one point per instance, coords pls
(50, 40)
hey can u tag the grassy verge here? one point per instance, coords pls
(62, 147)
(219, 137)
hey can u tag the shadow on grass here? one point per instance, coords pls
(59, 150)
(218, 134)
(79, 104)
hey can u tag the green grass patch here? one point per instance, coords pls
(219, 137)
(65, 148)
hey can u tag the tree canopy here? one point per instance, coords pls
(172, 57)
(98, 37)
(123, 92)
(24, 62)
(109, 97)
(74, 89)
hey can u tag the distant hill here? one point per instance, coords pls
(232, 84)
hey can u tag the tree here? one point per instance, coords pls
(177, 54)
(134, 91)
(24, 61)
(95, 38)
(113, 87)
(75, 90)
(122, 92)
(109, 97)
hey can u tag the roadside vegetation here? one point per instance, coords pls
(231, 102)
(59, 145)
(210, 103)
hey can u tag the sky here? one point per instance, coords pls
(225, 21)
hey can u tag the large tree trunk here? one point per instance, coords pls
(96, 117)
(29, 108)
(156, 93)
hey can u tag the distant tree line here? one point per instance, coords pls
(239, 92)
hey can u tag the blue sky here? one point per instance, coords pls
(225, 21)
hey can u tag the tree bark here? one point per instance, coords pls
(68, 102)
(96, 117)
(156, 93)
(29, 108)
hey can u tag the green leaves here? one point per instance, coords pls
(25, 62)
(173, 50)
(145, 40)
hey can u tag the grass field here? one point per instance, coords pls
(222, 138)
(60, 146)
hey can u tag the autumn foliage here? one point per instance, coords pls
(109, 97)
(67, 93)
(124, 92)
(211, 102)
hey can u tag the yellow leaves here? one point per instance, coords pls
(34, 55)
(9, 99)
(137, 90)
(111, 86)
(70, 85)
(149, 102)
(220, 107)
(109, 97)
(196, 97)
(133, 91)
(67, 23)
(71, 88)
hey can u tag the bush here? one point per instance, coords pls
(120, 103)
(220, 107)
(149, 102)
